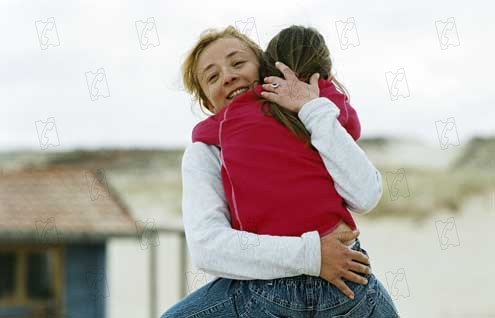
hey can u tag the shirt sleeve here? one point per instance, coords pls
(221, 251)
(356, 179)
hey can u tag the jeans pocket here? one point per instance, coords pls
(332, 297)
(376, 303)
(260, 308)
(363, 308)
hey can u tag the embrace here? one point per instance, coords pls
(270, 181)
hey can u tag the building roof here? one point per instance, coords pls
(62, 204)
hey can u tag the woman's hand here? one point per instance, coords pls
(337, 261)
(291, 93)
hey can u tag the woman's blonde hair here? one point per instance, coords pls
(189, 66)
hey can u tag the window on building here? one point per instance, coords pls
(40, 275)
(7, 274)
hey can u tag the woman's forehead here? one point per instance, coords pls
(222, 49)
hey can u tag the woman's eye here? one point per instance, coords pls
(238, 63)
(212, 77)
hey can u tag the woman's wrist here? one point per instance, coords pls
(312, 253)
(306, 102)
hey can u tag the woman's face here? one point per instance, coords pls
(224, 67)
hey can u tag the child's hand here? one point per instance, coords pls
(291, 93)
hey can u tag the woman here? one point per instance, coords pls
(220, 63)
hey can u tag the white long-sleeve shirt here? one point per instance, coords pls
(221, 251)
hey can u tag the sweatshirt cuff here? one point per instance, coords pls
(315, 104)
(373, 198)
(312, 255)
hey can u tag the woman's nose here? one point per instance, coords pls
(229, 77)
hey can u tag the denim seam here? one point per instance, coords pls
(387, 301)
(258, 297)
(209, 308)
(357, 306)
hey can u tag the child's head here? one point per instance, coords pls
(302, 49)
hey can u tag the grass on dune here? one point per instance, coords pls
(418, 193)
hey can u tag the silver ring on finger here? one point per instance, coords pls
(274, 85)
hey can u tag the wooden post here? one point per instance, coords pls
(183, 264)
(153, 276)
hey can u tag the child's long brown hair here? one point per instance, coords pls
(304, 51)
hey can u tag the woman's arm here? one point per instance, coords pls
(355, 177)
(219, 250)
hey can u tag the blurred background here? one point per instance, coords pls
(94, 121)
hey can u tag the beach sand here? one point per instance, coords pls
(445, 275)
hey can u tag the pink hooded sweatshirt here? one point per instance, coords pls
(273, 183)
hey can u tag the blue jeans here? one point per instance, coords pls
(298, 296)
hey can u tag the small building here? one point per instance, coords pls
(54, 224)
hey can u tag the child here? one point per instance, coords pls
(275, 182)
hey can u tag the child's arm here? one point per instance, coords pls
(355, 177)
(219, 250)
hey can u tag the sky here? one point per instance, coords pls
(93, 74)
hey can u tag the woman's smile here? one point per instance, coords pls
(226, 68)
